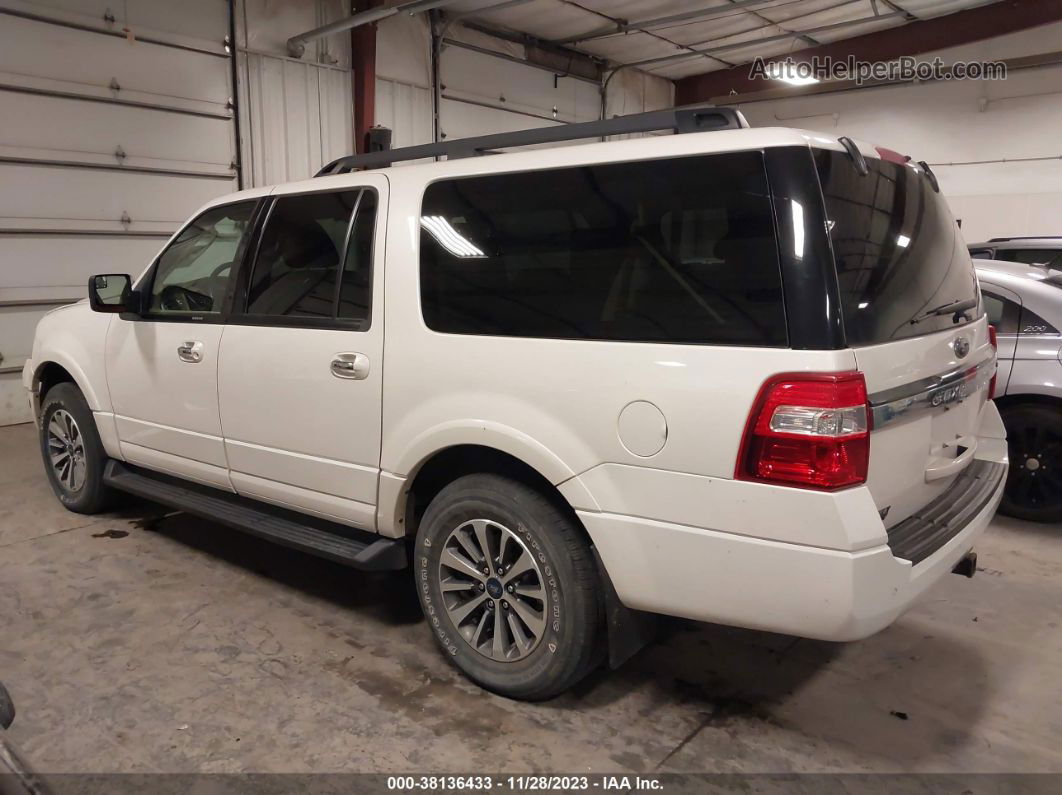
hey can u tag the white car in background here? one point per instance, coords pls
(733, 375)
(1024, 304)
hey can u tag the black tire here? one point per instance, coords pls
(1034, 480)
(90, 495)
(571, 641)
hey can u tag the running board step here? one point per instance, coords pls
(346, 545)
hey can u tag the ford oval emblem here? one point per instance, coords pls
(961, 346)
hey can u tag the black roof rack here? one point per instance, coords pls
(1027, 237)
(678, 121)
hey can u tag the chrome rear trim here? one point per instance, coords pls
(929, 394)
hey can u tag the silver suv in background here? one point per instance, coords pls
(1024, 303)
(1044, 251)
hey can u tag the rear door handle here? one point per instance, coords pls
(191, 352)
(354, 366)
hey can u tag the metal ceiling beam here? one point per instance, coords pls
(297, 44)
(783, 91)
(915, 38)
(648, 24)
(741, 45)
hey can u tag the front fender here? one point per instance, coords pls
(74, 338)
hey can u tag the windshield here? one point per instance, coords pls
(902, 266)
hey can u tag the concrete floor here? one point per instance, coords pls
(195, 648)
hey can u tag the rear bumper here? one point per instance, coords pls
(814, 592)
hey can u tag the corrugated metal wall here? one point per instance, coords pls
(487, 86)
(296, 115)
(116, 126)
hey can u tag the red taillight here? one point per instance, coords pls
(995, 347)
(810, 430)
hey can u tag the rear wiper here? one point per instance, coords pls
(958, 309)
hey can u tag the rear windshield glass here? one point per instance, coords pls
(676, 250)
(902, 266)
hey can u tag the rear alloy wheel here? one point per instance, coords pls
(509, 586)
(1034, 481)
(498, 603)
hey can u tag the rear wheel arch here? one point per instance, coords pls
(445, 466)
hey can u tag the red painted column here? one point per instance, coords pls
(363, 77)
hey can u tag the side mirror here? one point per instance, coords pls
(112, 292)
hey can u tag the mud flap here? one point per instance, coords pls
(628, 630)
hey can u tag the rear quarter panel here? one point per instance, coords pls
(556, 403)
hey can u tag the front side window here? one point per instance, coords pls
(192, 275)
(678, 250)
(303, 252)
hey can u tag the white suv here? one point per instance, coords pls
(735, 375)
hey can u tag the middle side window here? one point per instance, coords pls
(299, 256)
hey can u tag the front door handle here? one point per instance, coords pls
(191, 352)
(351, 365)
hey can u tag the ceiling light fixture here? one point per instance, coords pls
(789, 72)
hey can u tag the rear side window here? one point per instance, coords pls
(1032, 323)
(902, 266)
(314, 258)
(1028, 256)
(1002, 313)
(680, 250)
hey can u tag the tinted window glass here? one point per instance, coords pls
(355, 288)
(671, 250)
(1029, 256)
(898, 251)
(1002, 313)
(981, 253)
(192, 274)
(298, 258)
(1032, 323)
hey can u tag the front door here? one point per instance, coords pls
(162, 367)
(301, 376)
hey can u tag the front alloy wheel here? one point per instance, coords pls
(66, 450)
(71, 449)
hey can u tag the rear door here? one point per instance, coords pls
(912, 314)
(300, 371)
